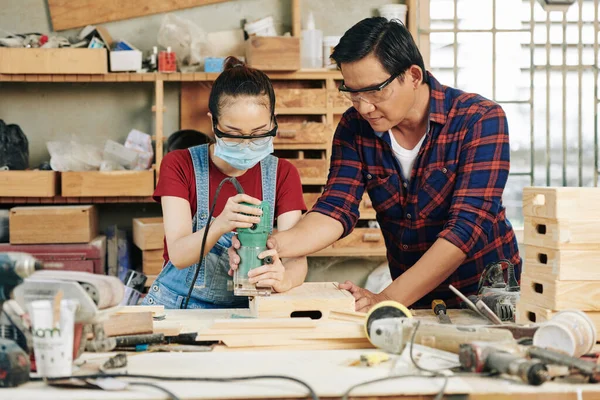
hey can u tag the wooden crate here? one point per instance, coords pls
(366, 242)
(562, 265)
(576, 203)
(107, 184)
(53, 224)
(530, 313)
(148, 233)
(313, 298)
(562, 234)
(302, 133)
(152, 262)
(365, 208)
(273, 53)
(560, 295)
(299, 98)
(312, 171)
(28, 183)
(53, 61)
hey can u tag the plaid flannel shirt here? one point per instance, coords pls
(454, 192)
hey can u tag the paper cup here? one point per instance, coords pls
(53, 345)
(569, 331)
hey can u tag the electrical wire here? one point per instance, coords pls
(240, 190)
(311, 391)
(172, 396)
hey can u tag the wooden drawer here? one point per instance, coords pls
(562, 265)
(361, 242)
(152, 262)
(53, 224)
(107, 184)
(299, 98)
(28, 183)
(148, 233)
(366, 207)
(312, 171)
(562, 234)
(560, 295)
(303, 133)
(562, 202)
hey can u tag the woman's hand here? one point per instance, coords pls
(270, 275)
(233, 215)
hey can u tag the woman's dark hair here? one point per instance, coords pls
(389, 41)
(185, 139)
(237, 80)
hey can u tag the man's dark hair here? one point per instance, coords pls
(185, 139)
(389, 41)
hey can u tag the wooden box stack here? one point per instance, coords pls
(562, 238)
(148, 235)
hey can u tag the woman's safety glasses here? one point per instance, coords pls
(235, 139)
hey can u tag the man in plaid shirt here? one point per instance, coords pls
(434, 161)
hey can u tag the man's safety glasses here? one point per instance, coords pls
(372, 94)
(236, 139)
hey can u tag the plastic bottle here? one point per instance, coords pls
(312, 45)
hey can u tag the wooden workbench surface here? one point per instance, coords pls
(327, 371)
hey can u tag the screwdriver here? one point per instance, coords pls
(439, 309)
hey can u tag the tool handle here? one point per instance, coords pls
(438, 306)
(450, 337)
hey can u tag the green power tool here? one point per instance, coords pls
(253, 241)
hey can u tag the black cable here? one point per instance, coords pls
(239, 189)
(171, 395)
(311, 391)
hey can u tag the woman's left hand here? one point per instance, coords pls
(270, 275)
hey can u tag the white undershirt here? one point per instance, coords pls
(405, 157)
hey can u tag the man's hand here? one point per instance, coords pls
(364, 299)
(234, 258)
(270, 275)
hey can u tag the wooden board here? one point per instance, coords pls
(128, 324)
(108, 184)
(273, 53)
(67, 14)
(528, 313)
(152, 262)
(579, 203)
(312, 171)
(562, 234)
(299, 98)
(155, 310)
(562, 265)
(309, 297)
(28, 183)
(560, 295)
(148, 233)
(53, 224)
(53, 61)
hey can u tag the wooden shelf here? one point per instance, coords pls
(74, 200)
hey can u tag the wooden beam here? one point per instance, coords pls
(67, 14)
(296, 18)
(158, 122)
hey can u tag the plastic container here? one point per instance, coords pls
(311, 53)
(329, 43)
(394, 11)
(569, 331)
(262, 27)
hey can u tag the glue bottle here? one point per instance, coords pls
(312, 45)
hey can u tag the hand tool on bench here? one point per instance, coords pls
(439, 309)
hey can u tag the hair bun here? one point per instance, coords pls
(232, 62)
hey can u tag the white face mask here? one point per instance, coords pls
(244, 156)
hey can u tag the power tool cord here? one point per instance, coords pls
(240, 190)
(313, 395)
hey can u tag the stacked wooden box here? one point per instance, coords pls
(148, 236)
(562, 238)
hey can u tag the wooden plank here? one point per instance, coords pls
(562, 234)
(128, 324)
(67, 14)
(52, 61)
(148, 233)
(167, 328)
(528, 313)
(318, 297)
(107, 183)
(263, 323)
(296, 18)
(152, 261)
(28, 183)
(560, 295)
(349, 316)
(300, 98)
(577, 203)
(562, 265)
(275, 53)
(155, 310)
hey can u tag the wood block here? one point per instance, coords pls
(300, 98)
(28, 183)
(107, 184)
(53, 224)
(155, 310)
(311, 298)
(562, 234)
(528, 313)
(273, 53)
(560, 295)
(152, 261)
(312, 171)
(53, 61)
(303, 133)
(167, 328)
(148, 233)
(579, 203)
(562, 265)
(129, 324)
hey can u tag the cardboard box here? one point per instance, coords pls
(126, 60)
(148, 233)
(276, 53)
(29, 183)
(53, 61)
(107, 183)
(53, 224)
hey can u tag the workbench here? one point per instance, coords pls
(327, 371)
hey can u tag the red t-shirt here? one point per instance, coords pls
(177, 179)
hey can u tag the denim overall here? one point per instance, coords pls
(213, 287)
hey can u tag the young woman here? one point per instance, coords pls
(241, 104)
